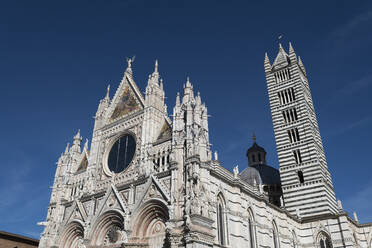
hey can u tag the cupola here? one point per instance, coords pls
(256, 154)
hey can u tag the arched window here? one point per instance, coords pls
(301, 176)
(324, 241)
(275, 236)
(221, 220)
(251, 230)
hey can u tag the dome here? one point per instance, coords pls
(262, 174)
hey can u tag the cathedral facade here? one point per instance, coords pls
(149, 181)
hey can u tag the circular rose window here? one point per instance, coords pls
(121, 153)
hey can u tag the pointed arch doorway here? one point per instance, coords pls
(150, 224)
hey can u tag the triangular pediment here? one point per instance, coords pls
(83, 164)
(112, 200)
(128, 99)
(153, 189)
(76, 212)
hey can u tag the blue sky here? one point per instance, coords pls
(57, 57)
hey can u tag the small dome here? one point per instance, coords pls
(261, 174)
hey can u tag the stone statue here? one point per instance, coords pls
(236, 171)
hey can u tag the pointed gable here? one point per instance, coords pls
(128, 99)
(83, 165)
(281, 59)
(165, 132)
(126, 104)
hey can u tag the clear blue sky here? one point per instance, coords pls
(57, 57)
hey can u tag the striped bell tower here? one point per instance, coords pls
(306, 181)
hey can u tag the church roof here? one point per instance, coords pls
(261, 174)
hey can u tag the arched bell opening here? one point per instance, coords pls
(72, 236)
(109, 230)
(149, 226)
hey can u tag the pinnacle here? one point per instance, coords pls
(108, 92)
(156, 66)
(77, 136)
(266, 58)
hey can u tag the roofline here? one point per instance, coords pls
(17, 237)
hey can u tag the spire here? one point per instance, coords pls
(154, 77)
(188, 93)
(254, 137)
(67, 148)
(77, 136)
(86, 145)
(108, 93)
(188, 84)
(292, 54)
(282, 58)
(267, 64)
(77, 140)
(156, 66)
(198, 99)
(178, 99)
(301, 65)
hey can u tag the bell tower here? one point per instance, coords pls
(306, 180)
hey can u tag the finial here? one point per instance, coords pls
(291, 47)
(280, 46)
(156, 65)
(254, 137)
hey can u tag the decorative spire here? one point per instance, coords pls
(108, 92)
(292, 54)
(267, 64)
(188, 84)
(254, 137)
(198, 99)
(156, 66)
(301, 65)
(178, 99)
(86, 145)
(282, 57)
(280, 47)
(67, 148)
(291, 50)
(355, 216)
(77, 136)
